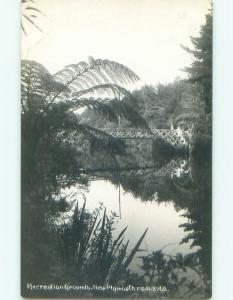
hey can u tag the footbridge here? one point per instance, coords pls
(173, 136)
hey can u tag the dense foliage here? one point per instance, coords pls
(200, 72)
(50, 126)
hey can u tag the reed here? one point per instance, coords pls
(88, 251)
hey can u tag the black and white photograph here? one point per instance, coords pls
(116, 149)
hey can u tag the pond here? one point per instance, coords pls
(145, 199)
(162, 219)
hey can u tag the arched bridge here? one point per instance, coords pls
(174, 136)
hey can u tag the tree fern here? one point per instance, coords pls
(40, 89)
(75, 81)
(50, 102)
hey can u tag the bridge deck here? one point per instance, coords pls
(173, 136)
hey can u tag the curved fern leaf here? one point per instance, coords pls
(96, 71)
(108, 88)
(97, 105)
(110, 109)
(38, 86)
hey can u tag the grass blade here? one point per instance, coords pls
(135, 249)
(118, 238)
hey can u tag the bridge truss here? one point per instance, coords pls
(176, 137)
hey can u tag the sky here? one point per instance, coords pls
(144, 35)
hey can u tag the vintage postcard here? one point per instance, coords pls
(116, 130)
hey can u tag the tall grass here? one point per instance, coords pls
(89, 253)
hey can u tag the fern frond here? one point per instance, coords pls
(37, 85)
(99, 106)
(107, 88)
(110, 109)
(96, 72)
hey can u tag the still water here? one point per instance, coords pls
(161, 218)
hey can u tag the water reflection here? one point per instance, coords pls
(171, 198)
(149, 197)
(162, 219)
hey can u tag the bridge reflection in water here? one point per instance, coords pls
(162, 219)
(160, 197)
(175, 167)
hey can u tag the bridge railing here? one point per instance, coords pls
(174, 136)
